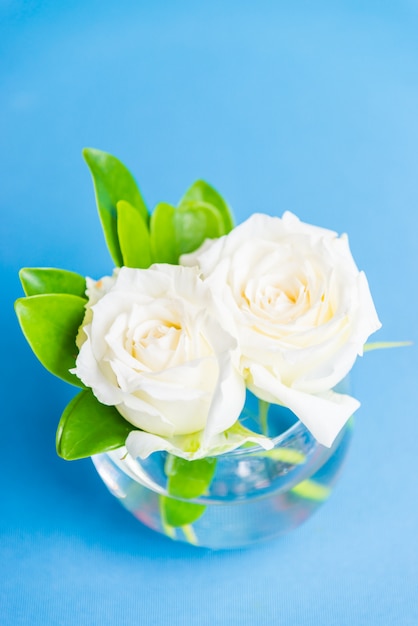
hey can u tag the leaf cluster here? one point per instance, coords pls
(53, 308)
(137, 239)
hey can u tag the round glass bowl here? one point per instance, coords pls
(254, 494)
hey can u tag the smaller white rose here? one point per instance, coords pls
(300, 310)
(155, 350)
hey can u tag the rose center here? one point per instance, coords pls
(161, 333)
(153, 344)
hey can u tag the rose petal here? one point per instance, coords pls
(191, 447)
(323, 414)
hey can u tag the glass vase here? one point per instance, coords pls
(255, 494)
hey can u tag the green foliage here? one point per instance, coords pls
(50, 323)
(162, 236)
(186, 480)
(177, 231)
(37, 280)
(113, 182)
(311, 490)
(133, 236)
(54, 307)
(202, 214)
(193, 223)
(202, 192)
(88, 427)
(179, 513)
(189, 479)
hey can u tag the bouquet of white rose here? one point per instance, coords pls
(196, 315)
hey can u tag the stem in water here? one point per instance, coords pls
(263, 409)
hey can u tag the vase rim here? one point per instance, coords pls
(277, 440)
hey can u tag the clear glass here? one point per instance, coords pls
(255, 494)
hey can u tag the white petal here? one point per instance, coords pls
(141, 444)
(324, 414)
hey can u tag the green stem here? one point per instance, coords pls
(170, 531)
(263, 409)
(190, 534)
(311, 490)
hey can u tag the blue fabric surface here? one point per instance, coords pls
(309, 107)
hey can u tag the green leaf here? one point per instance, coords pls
(37, 280)
(186, 479)
(88, 427)
(201, 191)
(50, 323)
(193, 223)
(133, 235)
(177, 231)
(284, 455)
(162, 234)
(311, 490)
(383, 345)
(189, 479)
(112, 182)
(180, 513)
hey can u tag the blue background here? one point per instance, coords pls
(305, 106)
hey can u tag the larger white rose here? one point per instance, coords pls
(300, 309)
(152, 348)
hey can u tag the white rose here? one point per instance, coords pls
(154, 350)
(95, 289)
(300, 309)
